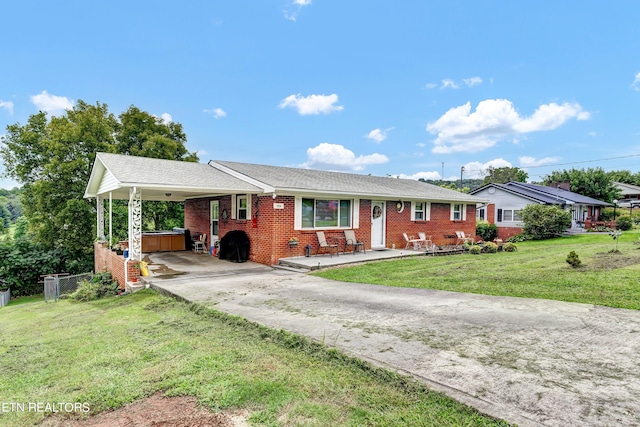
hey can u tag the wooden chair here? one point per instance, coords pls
(462, 239)
(350, 240)
(425, 241)
(325, 245)
(411, 241)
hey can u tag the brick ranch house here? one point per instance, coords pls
(272, 204)
(507, 200)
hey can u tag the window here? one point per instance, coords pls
(456, 212)
(480, 214)
(242, 207)
(321, 213)
(420, 211)
(509, 215)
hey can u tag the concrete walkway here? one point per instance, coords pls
(531, 362)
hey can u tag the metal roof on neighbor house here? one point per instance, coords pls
(299, 181)
(547, 195)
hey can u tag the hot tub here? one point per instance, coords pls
(163, 241)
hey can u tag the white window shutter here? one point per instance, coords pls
(413, 211)
(451, 208)
(356, 213)
(249, 200)
(297, 212)
(464, 211)
(427, 211)
(234, 210)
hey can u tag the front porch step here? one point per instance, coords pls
(284, 265)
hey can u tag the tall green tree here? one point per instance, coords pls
(593, 182)
(53, 157)
(504, 175)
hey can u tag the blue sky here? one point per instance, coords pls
(373, 87)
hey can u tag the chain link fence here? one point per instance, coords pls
(55, 286)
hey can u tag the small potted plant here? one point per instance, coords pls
(117, 248)
(293, 242)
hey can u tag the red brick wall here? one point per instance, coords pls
(104, 259)
(273, 228)
(491, 213)
(505, 232)
(438, 227)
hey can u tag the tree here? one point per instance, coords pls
(52, 158)
(593, 182)
(544, 221)
(504, 175)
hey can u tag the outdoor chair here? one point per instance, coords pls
(425, 241)
(200, 244)
(325, 245)
(350, 240)
(462, 239)
(411, 242)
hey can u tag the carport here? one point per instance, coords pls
(138, 179)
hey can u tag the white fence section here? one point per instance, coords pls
(5, 297)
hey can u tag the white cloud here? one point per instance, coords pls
(312, 104)
(293, 10)
(7, 105)
(421, 144)
(431, 85)
(423, 175)
(461, 130)
(337, 157)
(636, 82)
(166, 118)
(448, 83)
(217, 112)
(594, 134)
(472, 81)
(477, 170)
(527, 161)
(52, 104)
(378, 135)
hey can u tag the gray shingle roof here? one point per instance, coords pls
(543, 194)
(158, 172)
(297, 180)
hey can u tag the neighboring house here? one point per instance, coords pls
(629, 195)
(508, 200)
(272, 204)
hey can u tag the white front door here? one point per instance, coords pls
(214, 209)
(377, 225)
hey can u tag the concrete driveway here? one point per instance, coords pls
(531, 362)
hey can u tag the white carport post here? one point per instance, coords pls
(110, 217)
(135, 224)
(99, 218)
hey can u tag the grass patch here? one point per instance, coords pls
(26, 300)
(120, 349)
(537, 270)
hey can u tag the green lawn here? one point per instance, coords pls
(537, 270)
(113, 351)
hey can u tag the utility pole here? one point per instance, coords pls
(461, 171)
(442, 176)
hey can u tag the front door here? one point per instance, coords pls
(214, 208)
(377, 225)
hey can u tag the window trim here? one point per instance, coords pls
(463, 211)
(235, 206)
(426, 210)
(353, 217)
(500, 215)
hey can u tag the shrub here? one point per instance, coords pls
(545, 221)
(509, 247)
(624, 223)
(486, 231)
(101, 285)
(518, 238)
(573, 260)
(490, 248)
(475, 250)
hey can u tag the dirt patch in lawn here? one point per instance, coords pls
(156, 411)
(605, 261)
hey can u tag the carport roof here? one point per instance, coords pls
(160, 179)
